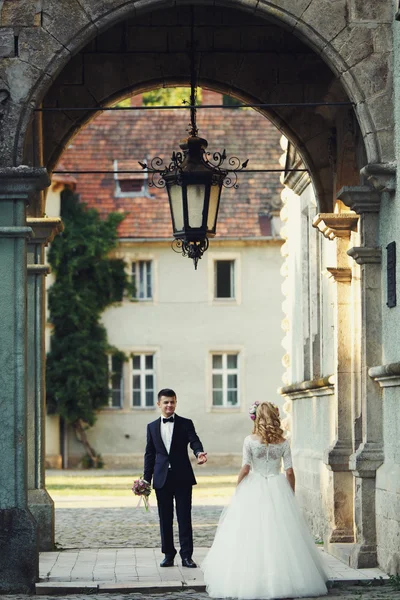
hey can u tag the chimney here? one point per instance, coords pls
(211, 97)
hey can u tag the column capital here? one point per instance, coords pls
(336, 225)
(20, 182)
(364, 255)
(360, 198)
(382, 176)
(45, 229)
(337, 456)
(340, 275)
(367, 459)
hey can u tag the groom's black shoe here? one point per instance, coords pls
(188, 562)
(167, 562)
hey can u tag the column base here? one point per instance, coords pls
(341, 536)
(363, 556)
(41, 506)
(19, 556)
(357, 556)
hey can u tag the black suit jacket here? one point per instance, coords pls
(157, 459)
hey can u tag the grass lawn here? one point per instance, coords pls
(211, 486)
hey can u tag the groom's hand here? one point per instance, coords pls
(201, 458)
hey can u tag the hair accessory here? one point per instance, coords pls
(253, 410)
(255, 405)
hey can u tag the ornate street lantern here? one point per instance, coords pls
(194, 180)
(194, 191)
(194, 183)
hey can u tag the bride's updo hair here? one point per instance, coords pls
(267, 423)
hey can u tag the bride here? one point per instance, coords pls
(262, 548)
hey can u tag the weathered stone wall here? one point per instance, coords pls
(388, 486)
(309, 345)
(388, 475)
(312, 418)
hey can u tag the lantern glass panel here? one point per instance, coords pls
(175, 195)
(215, 191)
(195, 203)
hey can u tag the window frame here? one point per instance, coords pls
(232, 279)
(143, 193)
(224, 371)
(235, 257)
(137, 262)
(142, 373)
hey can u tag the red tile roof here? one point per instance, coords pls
(130, 136)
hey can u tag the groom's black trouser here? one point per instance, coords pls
(182, 493)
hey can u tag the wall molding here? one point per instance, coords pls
(386, 375)
(323, 386)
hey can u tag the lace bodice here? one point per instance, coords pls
(266, 459)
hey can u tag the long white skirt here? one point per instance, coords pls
(262, 548)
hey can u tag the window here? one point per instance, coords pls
(225, 376)
(116, 385)
(224, 271)
(128, 186)
(143, 381)
(142, 279)
(127, 182)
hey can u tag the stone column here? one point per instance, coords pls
(19, 559)
(39, 502)
(338, 227)
(368, 456)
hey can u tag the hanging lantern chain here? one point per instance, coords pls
(193, 132)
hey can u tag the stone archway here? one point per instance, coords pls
(279, 69)
(284, 55)
(364, 74)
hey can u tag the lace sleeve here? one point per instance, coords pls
(246, 452)
(287, 456)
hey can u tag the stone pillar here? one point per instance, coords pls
(368, 456)
(19, 559)
(338, 227)
(39, 502)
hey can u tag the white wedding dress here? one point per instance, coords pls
(262, 548)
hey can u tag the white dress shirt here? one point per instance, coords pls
(167, 430)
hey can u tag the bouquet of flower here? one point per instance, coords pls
(253, 410)
(143, 489)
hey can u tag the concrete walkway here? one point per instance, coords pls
(137, 569)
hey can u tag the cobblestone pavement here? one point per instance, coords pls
(359, 592)
(125, 527)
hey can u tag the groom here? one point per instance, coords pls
(166, 460)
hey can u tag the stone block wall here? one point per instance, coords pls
(310, 438)
(388, 486)
(388, 475)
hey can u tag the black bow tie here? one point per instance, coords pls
(169, 420)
